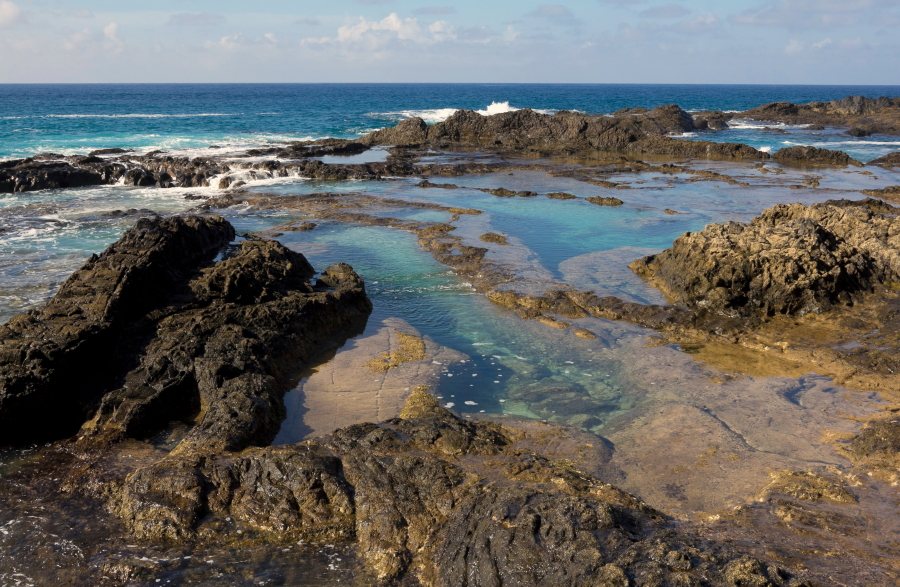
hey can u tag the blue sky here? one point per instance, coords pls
(585, 41)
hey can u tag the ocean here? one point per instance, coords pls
(76, 119)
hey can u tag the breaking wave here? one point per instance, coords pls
(432, 116)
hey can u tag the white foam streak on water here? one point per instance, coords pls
(739, 124)
(844, 143)
(432, 116)
(176, 146)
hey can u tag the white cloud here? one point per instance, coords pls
(822, 44)
(237, 41)
(10, 13)
(794, 46)
(376, 34)
(111, 32)
(510, 34)
(229, 42)
(76, 40)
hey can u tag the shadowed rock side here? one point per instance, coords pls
(792, 259)
(159, 332)
(60, 358)
(563, 131)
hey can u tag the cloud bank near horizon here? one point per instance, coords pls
(580, 41)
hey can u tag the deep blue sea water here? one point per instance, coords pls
(75, 119)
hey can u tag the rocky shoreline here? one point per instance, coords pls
(154, 379)
(635, 132)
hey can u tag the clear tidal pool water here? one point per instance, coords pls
(512, 364)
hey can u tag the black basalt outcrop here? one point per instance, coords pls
(153, 329)
(639, 133)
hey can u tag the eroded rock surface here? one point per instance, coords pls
(792, 259)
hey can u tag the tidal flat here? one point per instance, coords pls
(576, 377)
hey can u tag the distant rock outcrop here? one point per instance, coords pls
(643, 132)
(814, 156)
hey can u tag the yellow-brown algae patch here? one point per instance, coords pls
(584, 333)
(412, 348)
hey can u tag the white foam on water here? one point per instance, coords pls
(432, 116)
(740, 124)
(765, 149)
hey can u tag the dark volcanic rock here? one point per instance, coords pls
(860, 132)
(114, 151)
(814, 156)
(564, 131)
(890, 193)
(711, 120)
(889, 160)
(432, 498)
(878, 440)
(792, 259)
(160, 334)
(26, 175)
(868, 114)
(56, 359)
